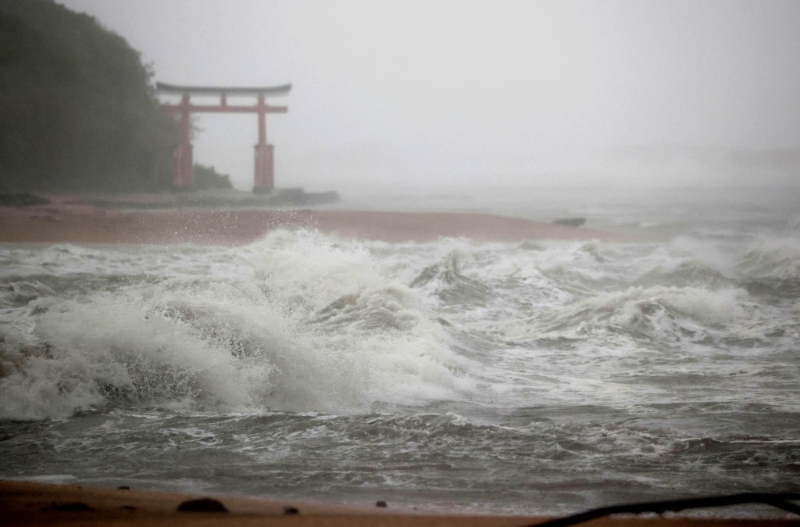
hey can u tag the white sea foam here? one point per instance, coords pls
(242, 343)
(300, 363)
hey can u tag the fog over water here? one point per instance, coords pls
(468, 93)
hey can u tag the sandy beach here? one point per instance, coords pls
(28, 503)
(69, 220)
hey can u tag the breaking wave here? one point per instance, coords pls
(536, 377)
(311, 326)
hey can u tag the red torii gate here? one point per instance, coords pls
(264, 173)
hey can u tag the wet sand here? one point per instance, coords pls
(70, 221)
(27, 503)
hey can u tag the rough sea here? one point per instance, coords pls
(533, 377)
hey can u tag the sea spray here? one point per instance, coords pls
(260, 340)
(534, 377)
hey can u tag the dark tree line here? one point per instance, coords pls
(77, 107)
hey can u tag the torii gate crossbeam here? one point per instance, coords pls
(264, 171)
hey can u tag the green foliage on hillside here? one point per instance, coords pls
(208, 177)
(76, 104)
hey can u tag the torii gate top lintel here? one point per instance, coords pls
(223, 90)
(182, 157)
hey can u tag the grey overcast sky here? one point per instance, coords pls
(441, 92)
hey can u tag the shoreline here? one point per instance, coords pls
(69, 220)
(34, 503)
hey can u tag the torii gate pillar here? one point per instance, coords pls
(264, 176)
(182, 165)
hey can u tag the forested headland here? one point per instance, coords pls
(77, 107)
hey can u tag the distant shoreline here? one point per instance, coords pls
(69, 219)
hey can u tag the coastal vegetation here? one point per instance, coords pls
(78, 108)
(208, 177)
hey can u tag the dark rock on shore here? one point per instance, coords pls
(570, 222)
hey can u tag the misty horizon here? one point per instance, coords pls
(461, 93)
